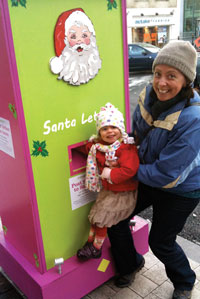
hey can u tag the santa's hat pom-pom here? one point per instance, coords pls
(56, 64)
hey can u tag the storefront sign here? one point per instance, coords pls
(151, 21)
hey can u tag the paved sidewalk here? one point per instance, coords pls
(150, 283)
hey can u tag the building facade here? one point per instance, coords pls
(154, 21)
(191, 24)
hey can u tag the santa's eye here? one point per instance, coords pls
(84, 35)
(73, 36)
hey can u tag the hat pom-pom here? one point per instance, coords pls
(56, 64)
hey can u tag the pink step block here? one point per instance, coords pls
(76, 279)
(140, 235)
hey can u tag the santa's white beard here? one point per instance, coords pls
(77, 67)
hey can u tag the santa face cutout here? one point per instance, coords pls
(78, 35)
(77, 59)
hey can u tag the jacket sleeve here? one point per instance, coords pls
(177, 159)
(128, 165)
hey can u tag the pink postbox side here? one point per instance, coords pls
(18, 213)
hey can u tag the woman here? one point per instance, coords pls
(166, 125)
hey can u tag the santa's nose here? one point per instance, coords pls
(79, 41)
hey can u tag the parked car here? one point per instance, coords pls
(141, 56)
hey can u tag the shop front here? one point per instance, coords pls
(156, 35)
(156, 30)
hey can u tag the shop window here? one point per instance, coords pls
(147, 37)
(188, 25)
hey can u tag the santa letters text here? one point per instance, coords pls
(49, 126)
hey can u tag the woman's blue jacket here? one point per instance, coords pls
(169, 148)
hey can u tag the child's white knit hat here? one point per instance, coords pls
(110, 116)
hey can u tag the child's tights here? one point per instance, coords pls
(97, 235)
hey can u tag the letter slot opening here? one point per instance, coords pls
(77, 159)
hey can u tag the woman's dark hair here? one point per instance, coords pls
(187, 92)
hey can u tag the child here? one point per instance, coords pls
(111, 165)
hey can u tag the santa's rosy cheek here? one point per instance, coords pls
(87, 41)
(72, 43)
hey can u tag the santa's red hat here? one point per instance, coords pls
(64, 22)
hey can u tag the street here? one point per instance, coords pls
(191, 231)
(137, 81)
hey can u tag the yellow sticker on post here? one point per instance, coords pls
(103, 265)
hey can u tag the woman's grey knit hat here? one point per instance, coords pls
(180, 55)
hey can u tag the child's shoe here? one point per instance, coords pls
(88, 251)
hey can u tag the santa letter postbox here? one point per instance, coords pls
(60, 62)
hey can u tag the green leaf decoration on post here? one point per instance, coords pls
(23, 3)
(13, 110)
(39, 149)
(111, 4)
(4, 229)
(36, 260)
(17, 2)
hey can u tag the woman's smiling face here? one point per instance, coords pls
(167, 82)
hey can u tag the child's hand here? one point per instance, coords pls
(106, 173)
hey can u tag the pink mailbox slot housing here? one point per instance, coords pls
(77, 161)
